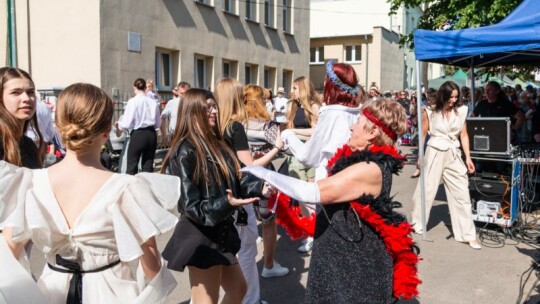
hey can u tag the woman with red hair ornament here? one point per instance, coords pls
(363, 252)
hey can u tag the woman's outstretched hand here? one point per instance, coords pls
(470, 165)
(239, 201)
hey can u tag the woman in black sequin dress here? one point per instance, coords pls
(362, 252)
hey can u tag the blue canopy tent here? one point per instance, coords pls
(514, 40)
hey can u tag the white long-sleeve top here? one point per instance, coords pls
(332, 131)
(140, 112)
(45, 124)
(171, 111)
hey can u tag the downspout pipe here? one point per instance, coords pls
(366, 37)
(12, 34)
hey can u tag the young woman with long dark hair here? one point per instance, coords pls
(17, 113)
(205, 239)
(446, 123)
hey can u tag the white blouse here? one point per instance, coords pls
(444, 134)
(122, 215)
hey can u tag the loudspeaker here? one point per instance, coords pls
(489, 136)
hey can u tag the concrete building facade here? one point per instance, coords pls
(361, 33)
(110, 43)
(376, 57)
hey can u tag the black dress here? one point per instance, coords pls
(205, 235)
(28, 150)
(349, 261)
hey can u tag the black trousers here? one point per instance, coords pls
(143, 143)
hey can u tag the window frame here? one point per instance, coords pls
(196, 73)
(205, 2)
(160, 85)
(318, 58)
(247, 67)
(253, 5)
(287, 10)
(355, 49)
(269, 13)
(232, 7)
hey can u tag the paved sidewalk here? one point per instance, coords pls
(451, 272)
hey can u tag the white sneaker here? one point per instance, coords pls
(276, 271)
(306, 246)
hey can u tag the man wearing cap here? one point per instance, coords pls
(280, 104)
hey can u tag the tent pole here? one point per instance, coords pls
(473, 99)
(421, 150)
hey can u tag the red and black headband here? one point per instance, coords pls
(379, 124)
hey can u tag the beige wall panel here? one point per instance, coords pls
(392, 61)
(64, 42)
(3, 34)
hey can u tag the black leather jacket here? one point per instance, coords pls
(206, 204)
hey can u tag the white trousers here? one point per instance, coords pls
(448, 166)
(247, 256)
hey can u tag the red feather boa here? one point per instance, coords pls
(290, 218)
(397, 239)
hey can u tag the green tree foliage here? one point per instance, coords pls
(457, 14)
(460, 14)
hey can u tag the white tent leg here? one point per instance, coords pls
(421, 150)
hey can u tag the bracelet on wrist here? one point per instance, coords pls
(279, 149)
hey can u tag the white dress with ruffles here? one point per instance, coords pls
(122, 215)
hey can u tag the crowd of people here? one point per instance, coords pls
(233, 153)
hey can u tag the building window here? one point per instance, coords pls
(316, 54)
(226, 69)
(247, 72)
(251, 72)
(229, 68)
(207, 2)
(287, 22)
(269, 77)
(164, 69)
(287, 81)
(251, 10)
(353, 53)
(229, 6)
(203, 71)
(269, 13)
(200, 73)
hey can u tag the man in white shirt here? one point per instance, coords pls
(171, 112)
(45, 124)
(280, 105)
(141, 118)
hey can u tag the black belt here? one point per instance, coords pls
(151, 128)
(75, 285)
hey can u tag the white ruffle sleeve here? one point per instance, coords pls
(141, 212)
(14, 182)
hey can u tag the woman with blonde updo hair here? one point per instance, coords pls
(356, 223)
(90, 223)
